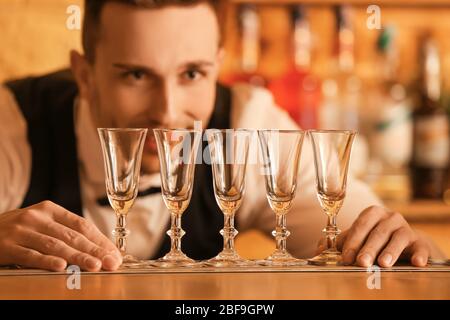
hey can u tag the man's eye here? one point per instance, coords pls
(135, 74)
(191, 75)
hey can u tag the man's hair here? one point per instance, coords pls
(93, 10)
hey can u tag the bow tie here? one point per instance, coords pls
(152, 190)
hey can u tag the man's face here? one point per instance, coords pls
(154, 68)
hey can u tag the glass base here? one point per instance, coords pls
(438, 262)
(282, 259)
(129, 261)
(173, 260)
(228, 259)
(327, 258)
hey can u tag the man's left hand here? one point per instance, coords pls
(379, 235)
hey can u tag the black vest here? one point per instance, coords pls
(47, 105)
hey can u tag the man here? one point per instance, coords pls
(152, 65)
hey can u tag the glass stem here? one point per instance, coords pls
(228, 232)
(121, 233)
(331, 232)
(281, 233)
(175, 233)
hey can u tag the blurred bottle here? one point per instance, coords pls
(342, 77)
(349, 84)
(431, 130)
(249, 27)
(298, 90)
(329, 107)
(390, 124)
(341, 101)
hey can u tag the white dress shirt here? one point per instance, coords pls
(252, 108)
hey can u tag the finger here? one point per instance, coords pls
(419, 254)
(340, 240)
(321, 245)
(359, 231)
(399, 242)
(378, 239)
(89, 230)
(55, 247)
(86, 228)
(32, 259)
(79, 242)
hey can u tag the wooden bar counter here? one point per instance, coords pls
(302, 283)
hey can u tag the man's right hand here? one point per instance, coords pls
(47, 236)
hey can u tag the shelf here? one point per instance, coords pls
(426, 211)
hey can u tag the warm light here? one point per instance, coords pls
(447, 196)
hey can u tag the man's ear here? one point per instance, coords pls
(219, 59)
(221, 56)
(82, 73)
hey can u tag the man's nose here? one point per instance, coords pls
(163, 108)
